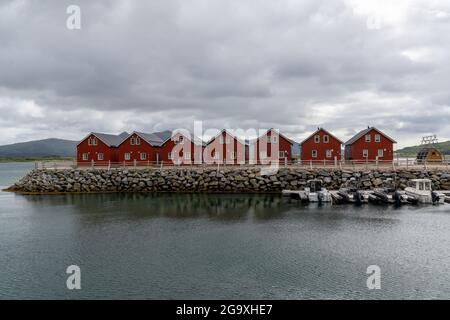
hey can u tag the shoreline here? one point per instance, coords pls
(228, 180)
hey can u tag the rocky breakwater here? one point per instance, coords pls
(213, 180)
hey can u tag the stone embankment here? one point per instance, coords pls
(212, 180)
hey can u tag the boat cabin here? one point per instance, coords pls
(420, 184)
(314, 185)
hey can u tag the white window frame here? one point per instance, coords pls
(368, 138)
(274, 139)
(282, 154)
(143, 156)
(317, 138)
(233, 155)
(365, 153)
(92, 141)
(187, 155)
(127, 156)
(377, 138)
(132, 143)
(329, 153)
(180, 140)
(170, 156)
(380, 153)
(137, 141)
(326, 138)
(100, 156)
(314, 153)
(85, 156)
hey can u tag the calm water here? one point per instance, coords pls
(217, 246)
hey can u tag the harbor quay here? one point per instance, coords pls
(226, 180)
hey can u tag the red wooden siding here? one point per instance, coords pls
(315, 147)
(271, 150)
(135, 151)
(355, 150)
(93, 151)
(178, 151)
(234, 152)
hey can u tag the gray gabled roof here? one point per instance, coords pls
(111, 140)
(163, 135)
(156, 139)
(364, 132)
(196, 140)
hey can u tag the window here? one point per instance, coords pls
(127, 156)
(170, 156)
(187, 156)
(233, 155)
(143, 156)
(137, 141)
(421, 187)
(100, 156)
(368, 138)
(221, 141)
(281, 155)
(132, 141)
(314, 154)
(365, 153)
(328, 153)
(380, 152)
(262, 155)
(427, 186)
(377, 138)
(317, 138)
(326, 138)
(180, 139)
(85, 156)
(274, 139)
(92, 141)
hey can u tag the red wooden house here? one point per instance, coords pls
(98, 148)
(225, 148)
(321, 146)
(182, 148)
(143, 148)
(370, 145)
(272, 146)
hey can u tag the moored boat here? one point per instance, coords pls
(420, 189)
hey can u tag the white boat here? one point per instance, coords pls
(420, 189)
(314, 192)
(317, 193)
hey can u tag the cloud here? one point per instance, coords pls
(293, 65)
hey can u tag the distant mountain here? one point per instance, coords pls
(444, 147)
(40, 148)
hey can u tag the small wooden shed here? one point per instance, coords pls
(429, 154)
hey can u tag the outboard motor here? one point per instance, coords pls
(397, 198)
(321, 197)
(435, 197)
(359, 198)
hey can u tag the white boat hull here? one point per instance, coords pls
(421, 196)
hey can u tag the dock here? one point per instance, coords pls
(297, 194)
(447, 195)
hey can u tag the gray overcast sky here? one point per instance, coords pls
(288, 64)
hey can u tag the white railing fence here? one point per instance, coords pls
(401, 163)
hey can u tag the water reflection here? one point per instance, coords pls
(138, 205)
